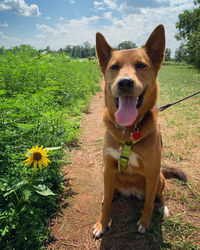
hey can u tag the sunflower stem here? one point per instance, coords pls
(16, 195)
(31, 178)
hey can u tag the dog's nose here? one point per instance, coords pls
(125, 83)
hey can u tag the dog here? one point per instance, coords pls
(132, 140)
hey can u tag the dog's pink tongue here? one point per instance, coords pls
(127, 112)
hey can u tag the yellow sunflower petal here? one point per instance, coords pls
(26, 160)
(35, 166)
(29, 162)
(45, 163)
(30, 151)
(45, 150)
(40, 149)
(40, 165)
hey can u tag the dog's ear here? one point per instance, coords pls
(103, 50)
(155, 46)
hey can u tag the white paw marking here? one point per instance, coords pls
(141, 229)
(98, 233)
(165, 210)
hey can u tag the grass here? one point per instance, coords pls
(181, 136)
(182, 120)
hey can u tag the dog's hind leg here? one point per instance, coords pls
(160, 201)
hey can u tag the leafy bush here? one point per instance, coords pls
(42, 97)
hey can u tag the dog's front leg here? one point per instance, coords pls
(101, 226)
(151, 189)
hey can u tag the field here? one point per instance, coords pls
(42, 97)
(72, 228)
(42, 101)
(180, 127)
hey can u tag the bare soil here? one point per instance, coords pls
(81, 200)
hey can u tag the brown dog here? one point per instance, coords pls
(130, 116)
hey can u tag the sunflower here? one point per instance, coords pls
(38, 156)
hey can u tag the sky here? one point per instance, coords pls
(57, 23)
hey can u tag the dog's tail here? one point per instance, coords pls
(170, 172)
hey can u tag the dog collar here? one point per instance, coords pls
(126, 150)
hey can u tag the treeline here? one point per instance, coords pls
(189, 35)
(86, 50)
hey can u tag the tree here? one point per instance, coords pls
(189, 32)
(68, 49)
(168, 54)
(76, 51)
(181, 54)
(126, 45)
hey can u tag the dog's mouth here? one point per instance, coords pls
(127, 109)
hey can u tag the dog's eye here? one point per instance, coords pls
(141, 66)
(114, 67)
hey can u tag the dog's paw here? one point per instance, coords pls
(141, 227)
(99, 231)
(164, 209)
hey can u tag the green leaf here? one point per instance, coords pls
(15, 187)
(5, 230)
(2, 187)
(43, 190)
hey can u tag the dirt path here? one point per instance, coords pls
(81, 203)
(73, 230)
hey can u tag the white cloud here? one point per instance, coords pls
(111, 4)
(4, 25)
(46, 29)
(74, 32)
(48, 18)
(10, 41)
(42, 36)
(105, 4)
(108, 15)
(61, 18)
(19, 7)
(71, 1)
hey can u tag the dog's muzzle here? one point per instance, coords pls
(125, 84)
(139, 102)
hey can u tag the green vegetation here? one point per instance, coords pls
(182, 120)
(181, 134)
(126, 45)
(42, 97)
(189, 33)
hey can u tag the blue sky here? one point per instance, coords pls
(71, 22)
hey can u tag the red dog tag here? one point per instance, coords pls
(136, 135)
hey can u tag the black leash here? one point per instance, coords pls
(171, 104)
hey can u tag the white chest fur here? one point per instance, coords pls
(116, 153)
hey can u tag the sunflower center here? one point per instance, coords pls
(37, 156)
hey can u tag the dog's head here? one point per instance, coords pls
(130, 76)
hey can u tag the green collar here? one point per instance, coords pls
(135, 137)
(126, 150)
